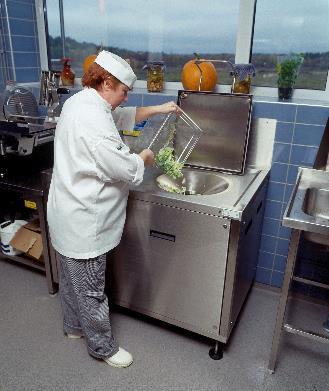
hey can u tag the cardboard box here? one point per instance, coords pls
(28, 239)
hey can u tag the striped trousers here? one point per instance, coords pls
(84, 303)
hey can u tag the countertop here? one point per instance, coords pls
(230, 203)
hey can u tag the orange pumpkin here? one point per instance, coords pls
(88, 61)
(193, 72)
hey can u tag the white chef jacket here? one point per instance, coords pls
(92, 171)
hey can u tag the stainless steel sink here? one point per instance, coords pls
(317, 203)
(308, 208)
(198, 183)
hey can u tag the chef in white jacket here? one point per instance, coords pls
(88, 194)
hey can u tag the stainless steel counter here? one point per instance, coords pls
(190, 260)
(229, 203)
(308, 208)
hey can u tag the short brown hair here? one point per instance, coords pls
(96, 75)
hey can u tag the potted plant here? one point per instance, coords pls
(287, 70)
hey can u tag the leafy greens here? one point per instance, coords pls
(165, 160)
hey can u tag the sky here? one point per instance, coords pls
(187, 26)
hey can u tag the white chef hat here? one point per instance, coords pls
(117, 66)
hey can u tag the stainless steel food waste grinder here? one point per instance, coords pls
(190, 259)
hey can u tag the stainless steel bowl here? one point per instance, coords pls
(196, 182)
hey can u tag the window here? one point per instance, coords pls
(240, 31)
(295, 26)
(145, 30)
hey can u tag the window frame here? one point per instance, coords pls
(243, 49)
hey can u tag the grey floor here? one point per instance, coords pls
(36, 356)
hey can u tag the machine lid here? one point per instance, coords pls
(20, 105)
(225, 119)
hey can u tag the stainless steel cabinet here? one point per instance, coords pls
(185, 267)
(171, 265)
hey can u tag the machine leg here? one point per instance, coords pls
(216, 353)
(289, 272)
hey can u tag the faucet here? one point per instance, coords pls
(53, 101)
(200, 60)
(54, 107)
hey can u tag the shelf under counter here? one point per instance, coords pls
(24, 260)
(28, 185)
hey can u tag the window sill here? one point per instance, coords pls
(171, 90)
(259, 94)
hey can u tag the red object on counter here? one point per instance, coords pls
(67, 75)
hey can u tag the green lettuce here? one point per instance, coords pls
(165, 160)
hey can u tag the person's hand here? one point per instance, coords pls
(169, 107)
(148, 156)
(143, 113)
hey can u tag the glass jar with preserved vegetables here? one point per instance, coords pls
(242, 74)
(155, 75)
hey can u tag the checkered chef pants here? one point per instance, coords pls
(84, 303)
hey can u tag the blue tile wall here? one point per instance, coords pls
(281, 152)
(20, 10)
(298, 135)
(277, 279)
(273, 209)
(284, 132)
(303, 155)
(288, 192)
(21, 27)
(280, 262)
(312, 115)
(25, 75)
(264, 275)
(309, 135)
(276, 191)
(135, 100)
(24, 44)
(266, 258)
(292, 174)
(280, 111)
(279, 172)
(22, 55)
(284, 232)
(149, 99)
(25, 60)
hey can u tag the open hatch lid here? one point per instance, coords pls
(225, 119)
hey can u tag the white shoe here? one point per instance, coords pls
(73, 336)
(121, 359)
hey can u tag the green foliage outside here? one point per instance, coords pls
(288, 69)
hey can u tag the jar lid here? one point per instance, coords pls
(243, 70)
(151, 64)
